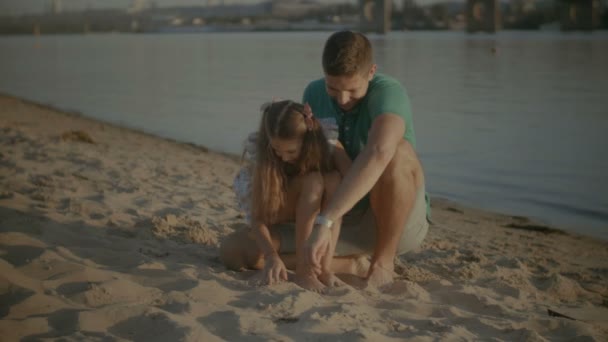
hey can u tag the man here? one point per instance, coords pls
(385, 183)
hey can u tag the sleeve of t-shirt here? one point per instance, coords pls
(391, 97)
(314, 95)
(307, 96)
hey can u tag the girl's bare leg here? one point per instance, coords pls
(307, 207)
(240, 249)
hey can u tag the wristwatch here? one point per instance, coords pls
(323, 221)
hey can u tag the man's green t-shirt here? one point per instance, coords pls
(384, 95)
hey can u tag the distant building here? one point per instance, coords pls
(483, 15)
(56, 6)
(519, 7)
(294, 8)
(580, 14)
(210, 3)
(375, 15)
(137, 6)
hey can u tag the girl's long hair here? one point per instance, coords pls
(284, 120)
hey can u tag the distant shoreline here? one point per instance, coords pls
(212, 30)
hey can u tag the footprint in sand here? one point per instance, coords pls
(227, 324)
(12, 295)
(20, 255)
(155, 326)
(6, 195)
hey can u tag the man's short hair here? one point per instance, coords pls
(347, 53)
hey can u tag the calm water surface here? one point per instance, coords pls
(515, 122)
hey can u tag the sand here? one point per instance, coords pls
(111, 234)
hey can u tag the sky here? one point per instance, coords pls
(16, 7)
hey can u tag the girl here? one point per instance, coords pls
(291, 178)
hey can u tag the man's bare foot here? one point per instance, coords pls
(309, 281)
(330, 279)
(379, 276)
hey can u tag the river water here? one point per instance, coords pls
(515, 122)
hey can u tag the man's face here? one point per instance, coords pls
(348, 90)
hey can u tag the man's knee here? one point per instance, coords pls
(403, 169)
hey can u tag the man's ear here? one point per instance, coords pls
(372, 72)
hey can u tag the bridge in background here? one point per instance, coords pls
(484, 15)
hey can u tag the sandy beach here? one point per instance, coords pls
(111, 234)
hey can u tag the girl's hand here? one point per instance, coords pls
(317, 245)
(274, 270)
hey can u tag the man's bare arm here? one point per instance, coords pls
(386, 133)
(341, 159)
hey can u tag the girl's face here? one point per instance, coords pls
(288, 150)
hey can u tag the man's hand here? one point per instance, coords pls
(317, 245)
(274, 271)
